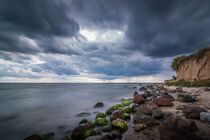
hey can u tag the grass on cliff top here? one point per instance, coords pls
(196, 56)
(183, 83)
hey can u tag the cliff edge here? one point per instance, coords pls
(193, 68)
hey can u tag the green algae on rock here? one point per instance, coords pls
(101, 121)
(120, 124)
(100, 115)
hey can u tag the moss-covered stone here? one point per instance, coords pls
(110, 110)
(48, 135)
(88, 133)
(96, 132)
(113, 108)
(126, 116)
(140, 127)
(127, 110)
(101, 121)
(107, 128)
(120, 124)
(100, 115)
(127, 102)
(83, 121)
(92, 124)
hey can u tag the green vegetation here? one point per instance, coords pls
(101, 121)
(100, 115)
(196, 56)
(183, 83)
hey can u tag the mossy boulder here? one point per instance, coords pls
(116, 114)
(120, 124)
(127, 103)
(88, 133)
(101, 121)
(48, 135)
(113, 108)
(127, 110)
(83, 121)
(100, 115)
(126, 116)
(92, 124)
(80, 131)
(140, 127)
(96, 132)
(107, 128)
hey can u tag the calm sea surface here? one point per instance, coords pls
(27, 109)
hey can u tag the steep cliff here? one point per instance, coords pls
(195, 67)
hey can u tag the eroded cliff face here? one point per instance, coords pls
(195, 70)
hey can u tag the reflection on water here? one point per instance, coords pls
(26, 109)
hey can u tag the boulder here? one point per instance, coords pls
(140, 117)
(116, 114)
(175, 133)
(33, 137)
(48, 135)
(127, 110)
(100, 115)
(134, 106)
(205, 116)
(107, 128)
(138, 99)
(79, 132)
(120, 124)
(99, 104)
(142, 89)
(187, 124)
(186, 97)
(156, 113)
(83, 114)
(101, 121)
(146, 109)
(83, 121)
(163, 102)
(193, 112)
(139, 127)
(126, 116)
(169, 97)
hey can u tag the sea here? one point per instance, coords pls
(38, 108)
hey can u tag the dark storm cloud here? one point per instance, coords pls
(156, 28)
(33, 19)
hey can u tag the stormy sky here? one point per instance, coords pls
(98, 40)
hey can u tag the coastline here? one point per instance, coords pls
(147, 118)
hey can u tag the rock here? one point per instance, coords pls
(120, 124)
(116, 114)
(146, 109)
(139, 127)
(138, 99)
(156, 113)
(126, 116)
(179, 90)
(127, 110)
(88, 133)
(33, 137)
(134, 106)
(99, 104)
(126, 103)
(140, 117)
(142, 89)
(115, 135)
(169, 97)
(48, 135)
(79, 132)
(193, 112)
(101, 121)
(135, 93)
(168, 114)
(100, 115)
(186, 97)
(163, 102)
(146, 94)
(205, 116)
(187, 124)
(110, 110)
(65, 138)
(207, 89)
(92, 124)
(96, 132)
(107, 128)
(83, 121)
(83, 114)
(175, 133)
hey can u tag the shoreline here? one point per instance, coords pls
(147, 117)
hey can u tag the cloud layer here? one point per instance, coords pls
(98, 40)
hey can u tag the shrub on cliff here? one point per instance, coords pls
(196, 56)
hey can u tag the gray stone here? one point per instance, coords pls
(205, 116)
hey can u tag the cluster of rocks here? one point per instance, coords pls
(154, 114)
